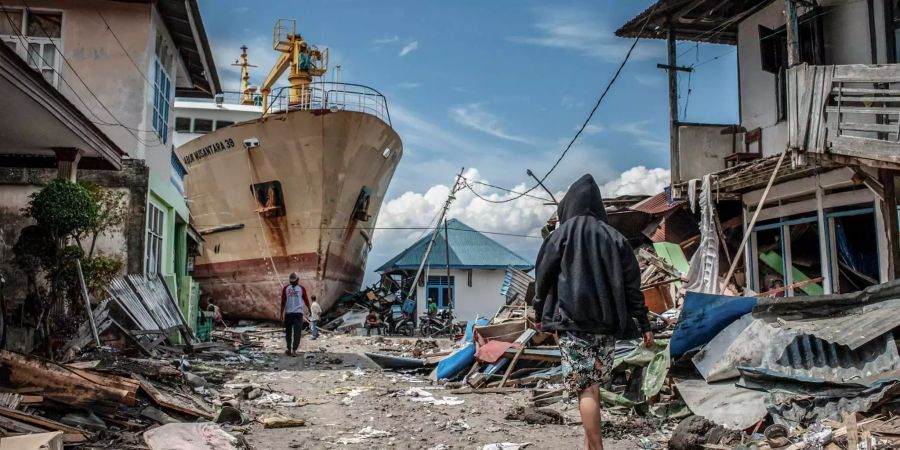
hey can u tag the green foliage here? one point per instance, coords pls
(100, 270)
(63, 208)
(112, 211)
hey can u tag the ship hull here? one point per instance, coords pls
(304, 200)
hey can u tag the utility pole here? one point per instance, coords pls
(450, 199)
(449, 287)
(793, 33)
(672, 69)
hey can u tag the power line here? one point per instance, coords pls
(75, 72)
(466, 180)
(113, 33)
(583, 125)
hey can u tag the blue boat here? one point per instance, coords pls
(455, 363)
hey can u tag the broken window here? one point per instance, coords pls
(774, 54)
(439, 290)
(269, 199)
(892, 16)
(788, 257)
(854, 249)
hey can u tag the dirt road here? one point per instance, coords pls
(347, 402)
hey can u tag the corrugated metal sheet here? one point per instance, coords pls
(469, 249)
(847, 319)
(810, 356)
(793, 400)
(658, 204)
(517, 285)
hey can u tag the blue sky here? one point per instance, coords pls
(498, 86)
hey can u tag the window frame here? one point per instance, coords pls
(212, 124)
(190, 124)
(155, 239)
(439, 282)
(40, 63)
(162, 92)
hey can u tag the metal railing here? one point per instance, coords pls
(321, 96)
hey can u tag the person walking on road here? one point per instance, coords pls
(315, 314)
(294, 303)
(588, 289)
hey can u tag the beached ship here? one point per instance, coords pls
(295, 189)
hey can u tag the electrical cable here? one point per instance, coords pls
(130, 130)
(584, 125)
(113, 33)
(466, 180)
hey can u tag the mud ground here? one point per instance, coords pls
(347, 402)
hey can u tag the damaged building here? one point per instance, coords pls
(820, 90)
(89, 89)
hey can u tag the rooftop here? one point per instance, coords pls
(469, 249)
(712, 21)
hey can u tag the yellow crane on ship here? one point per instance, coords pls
(304, 61)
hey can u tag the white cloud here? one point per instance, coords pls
(474, 116)
(637, 181)
(409, 85)
(577, 30)
(389, 40)
(592, 128)
(414, 45)
(523, 216)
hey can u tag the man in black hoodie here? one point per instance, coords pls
(588, 289)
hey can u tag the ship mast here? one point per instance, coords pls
(246, 90)
(304, 61)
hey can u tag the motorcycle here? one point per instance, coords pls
(439, 323)
(397, 321)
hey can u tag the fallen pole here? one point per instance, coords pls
(762, 201)
(87, 303)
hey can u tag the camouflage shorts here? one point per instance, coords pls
(586, 359)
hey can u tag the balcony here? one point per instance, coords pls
(846, 110)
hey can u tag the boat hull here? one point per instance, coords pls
(315, 167)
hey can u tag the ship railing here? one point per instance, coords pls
(318, 96)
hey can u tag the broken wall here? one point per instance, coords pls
(16, 184)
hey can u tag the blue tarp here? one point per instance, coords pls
(703, 316)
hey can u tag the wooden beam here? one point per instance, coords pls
(888, 205)
(73, 387)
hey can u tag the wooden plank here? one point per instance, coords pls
(72, 434)
(866, 148)
(861, 110)
(873, 127)
(872, 99)
(867, 73)
(530, 354)
(523, 341)
(167, 401)
(865, 91)
(74, 387)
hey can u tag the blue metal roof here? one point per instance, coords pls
(469, 249)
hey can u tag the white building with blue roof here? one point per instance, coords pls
(477, 268)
